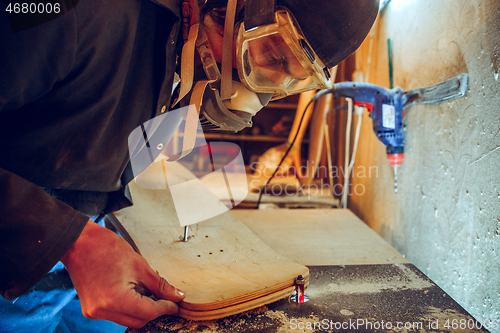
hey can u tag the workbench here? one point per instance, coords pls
(357, 282)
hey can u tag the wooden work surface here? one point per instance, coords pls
(356, 280)
(319, 236)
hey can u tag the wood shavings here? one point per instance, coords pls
(233, 323)
(297, 325)
(259, 319)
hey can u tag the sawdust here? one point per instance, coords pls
(180, 325)
(407, 279)
(214, 326)
(300, 325)
(261, 319)
(446, 319)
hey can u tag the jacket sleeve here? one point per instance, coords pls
(35, 229)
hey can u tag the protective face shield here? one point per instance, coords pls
(283, 47)
(276, 58)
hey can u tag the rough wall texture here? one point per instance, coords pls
(446, 217)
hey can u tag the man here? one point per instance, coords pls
(73, 86)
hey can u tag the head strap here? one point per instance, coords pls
(227, 51)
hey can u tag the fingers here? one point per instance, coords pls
(159, 287)
(149, 308)
(129, 309)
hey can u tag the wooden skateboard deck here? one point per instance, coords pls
(224, 268)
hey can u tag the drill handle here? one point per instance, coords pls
(385, 106)
(363, 94)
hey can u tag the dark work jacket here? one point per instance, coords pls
(72, 89)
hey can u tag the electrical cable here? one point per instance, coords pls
(356, 137)
(329, 157)
(348, 171)
(329, 149)
(285, 155)
(343, 202)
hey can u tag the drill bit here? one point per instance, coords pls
(185, 238)
(395, 179)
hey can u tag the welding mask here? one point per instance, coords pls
(283, 47)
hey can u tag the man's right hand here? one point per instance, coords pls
(107, 274)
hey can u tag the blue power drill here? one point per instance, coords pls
(386, 108)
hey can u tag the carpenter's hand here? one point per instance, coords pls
(107, 273)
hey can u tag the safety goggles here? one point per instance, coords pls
(276, 58)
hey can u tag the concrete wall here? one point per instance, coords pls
(446, 217)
